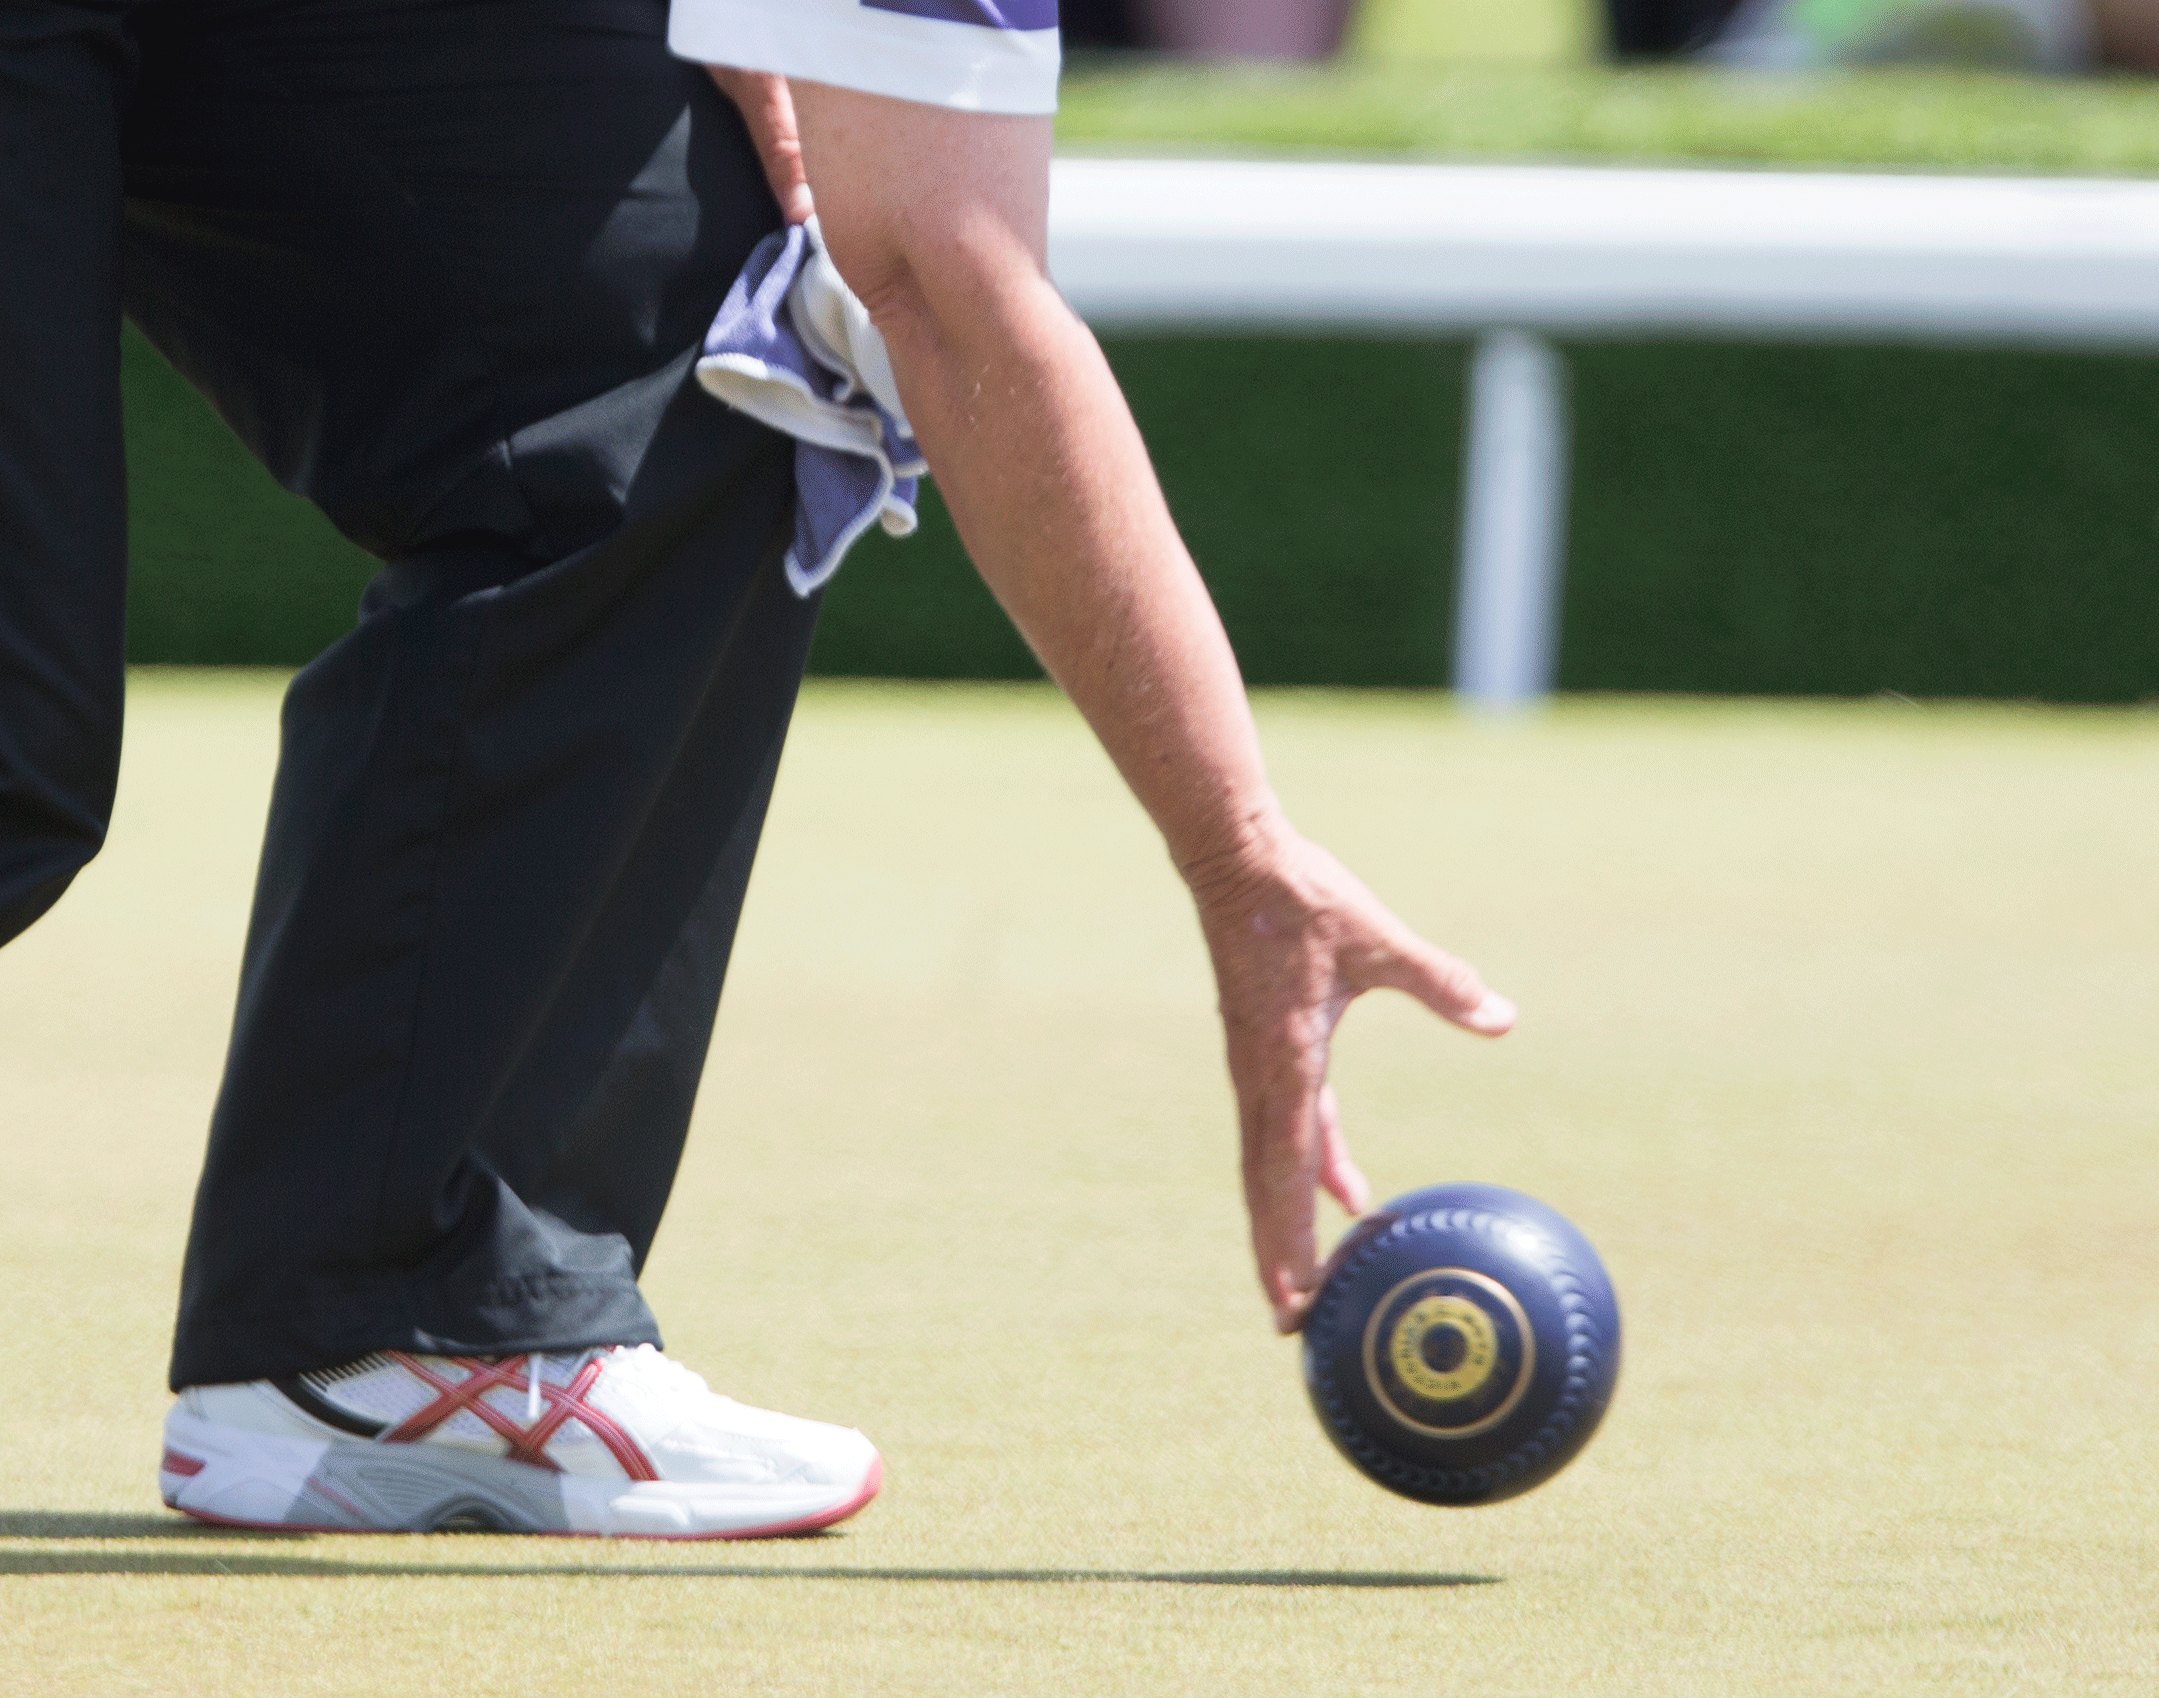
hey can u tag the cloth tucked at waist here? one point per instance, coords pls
(795, 349)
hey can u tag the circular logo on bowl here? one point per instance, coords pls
(1449, 1352)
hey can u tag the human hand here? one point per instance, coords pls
(1295, 938)
(768, 108)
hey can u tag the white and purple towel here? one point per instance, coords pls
(794, 349)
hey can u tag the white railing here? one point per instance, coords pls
(1507, 253)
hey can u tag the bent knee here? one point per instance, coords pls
(45, 840)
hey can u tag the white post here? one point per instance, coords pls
(1514, 514)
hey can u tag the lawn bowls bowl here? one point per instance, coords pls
(1464, 1344)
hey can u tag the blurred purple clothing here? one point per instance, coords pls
(794, 349)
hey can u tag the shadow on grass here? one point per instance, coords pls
(191, 1548)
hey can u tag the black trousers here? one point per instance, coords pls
(443, 265)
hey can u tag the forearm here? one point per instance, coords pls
(1038, 458)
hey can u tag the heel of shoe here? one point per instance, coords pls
(237, 1479)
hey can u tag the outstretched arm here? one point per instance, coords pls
(938, 220)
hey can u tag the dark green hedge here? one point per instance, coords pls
(225, 567)
(1841, 521)
(1745, 519)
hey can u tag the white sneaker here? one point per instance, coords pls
(616, 1442)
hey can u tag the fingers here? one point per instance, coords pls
(1285, 1243)
(1294, 1148)
(1349, 936)
(1339, 1176)
(1290, 954)
(1285, 1230)
(1278, 1091)
(768, 108)
(1291, 1300)
(1448, 987)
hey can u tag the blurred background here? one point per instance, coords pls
(1744, 518)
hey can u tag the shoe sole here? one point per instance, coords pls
(233, 1478)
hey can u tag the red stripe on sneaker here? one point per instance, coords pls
(187, 1467)
(456, 1396)
(627, 1452)
(522, 1444)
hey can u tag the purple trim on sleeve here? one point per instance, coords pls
(984, 14)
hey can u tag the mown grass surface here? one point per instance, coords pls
(1836, 1040)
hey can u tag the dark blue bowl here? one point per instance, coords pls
(1464, 1344)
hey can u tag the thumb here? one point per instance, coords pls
(1449, 987)
(768, 108)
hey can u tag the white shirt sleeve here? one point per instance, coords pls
(976, 55)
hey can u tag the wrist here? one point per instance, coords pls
(1253, 853)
